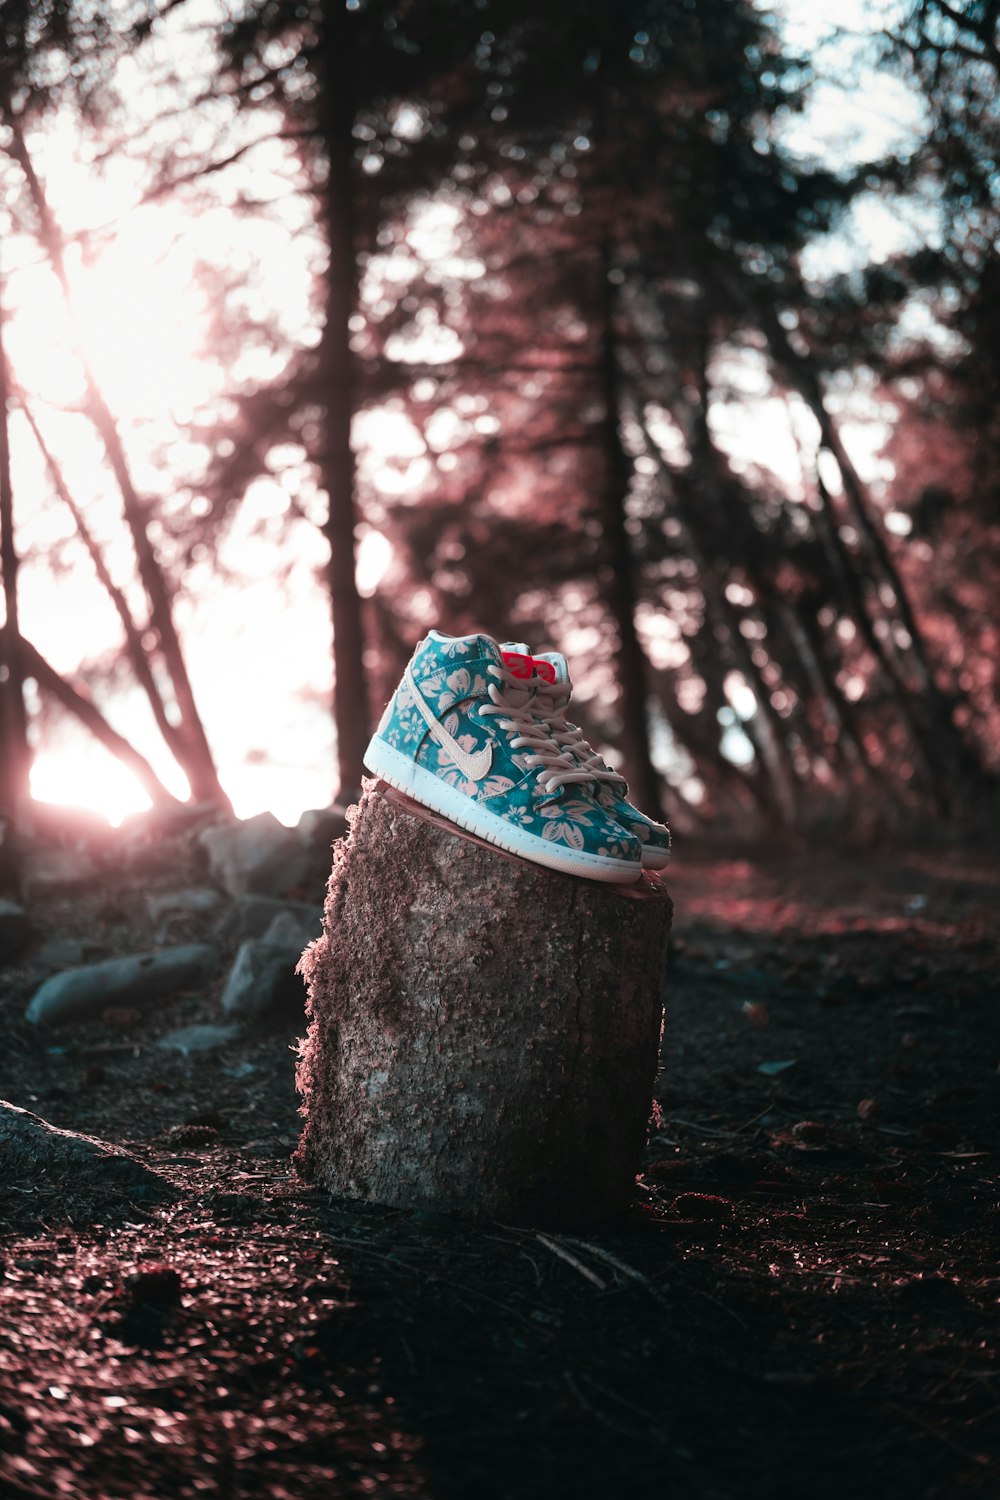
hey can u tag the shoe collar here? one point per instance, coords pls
(477, 647)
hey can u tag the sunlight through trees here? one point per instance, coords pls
(662, 333)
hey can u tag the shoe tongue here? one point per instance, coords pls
(520, 665)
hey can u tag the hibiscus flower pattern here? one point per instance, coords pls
(459, 646)
(450, 771)
(637, 824)
(402, 724)
(444, 690)
(568, 821)
(452, 677)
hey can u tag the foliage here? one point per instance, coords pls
(560, 266)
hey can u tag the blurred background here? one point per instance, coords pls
(658, 332)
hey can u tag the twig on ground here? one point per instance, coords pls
(558, 1248)
(622, 1266)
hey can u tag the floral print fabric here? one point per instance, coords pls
(453, 677)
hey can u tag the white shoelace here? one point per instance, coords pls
(570, 738)
(530, 732)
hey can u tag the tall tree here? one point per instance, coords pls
(15, 758)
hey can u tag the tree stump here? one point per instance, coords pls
(483, 1033)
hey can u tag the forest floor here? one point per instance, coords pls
(801, 1304)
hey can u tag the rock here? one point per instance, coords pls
(292, 930)
(136, 980)
(197, 902)
(55, 872)
(67, 953)
(318, 827)
(64, 826)
(171, 821)
(252, 916)
(63, 1173)
(15, 930)
(262, 979)
(190, 1039)
(263, 976)
(258, 856)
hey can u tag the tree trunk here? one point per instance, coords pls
(621, 594)
(15, 756)
(350, 697)
(764, 729)
(951, 760)
(483, 1033)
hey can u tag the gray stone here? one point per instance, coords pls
(180, 819)
(15, 930)
(318, 827)
(196, 902)
(259, 856)
(190, 1039)
(137, 980)
(55, 872)
(252, 916)
(66, 1174)
(291, 930)
(65, 953)
(263, 977)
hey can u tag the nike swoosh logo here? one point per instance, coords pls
(473, 765)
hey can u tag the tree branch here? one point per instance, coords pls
(84, 708)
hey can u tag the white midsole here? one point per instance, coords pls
(654, 859)
(424, 787)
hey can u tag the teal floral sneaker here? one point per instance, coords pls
(460, 735)
(553, 690)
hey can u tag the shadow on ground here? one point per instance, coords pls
(800, 1304)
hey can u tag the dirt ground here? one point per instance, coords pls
(801, 1304)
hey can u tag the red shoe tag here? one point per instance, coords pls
(518, 665)
(526, 666)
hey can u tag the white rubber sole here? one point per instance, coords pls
(654, 859)
(406, 776)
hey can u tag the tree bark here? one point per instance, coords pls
(16, 755)
(337, 469)
(622, 594)
(483, 1033)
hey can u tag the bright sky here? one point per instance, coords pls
(259, 652)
